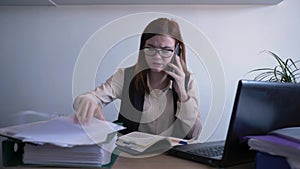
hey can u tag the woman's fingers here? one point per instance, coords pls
(177, 66)
(179, 63)
(87, 110)
(99, 114)
(81, 113)
(178, 72)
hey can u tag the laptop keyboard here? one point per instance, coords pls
(208, 151)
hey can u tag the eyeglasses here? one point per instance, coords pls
(165, 53)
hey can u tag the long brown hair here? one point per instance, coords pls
(160, 26)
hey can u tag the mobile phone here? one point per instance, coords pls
(177, 51)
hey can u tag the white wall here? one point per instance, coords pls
(40, 45)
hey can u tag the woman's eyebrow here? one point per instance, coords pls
(150, 45)
(166, 47)
(163, 47)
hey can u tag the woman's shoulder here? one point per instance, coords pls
(125, 68)
(120, 72)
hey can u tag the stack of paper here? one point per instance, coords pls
(60, 141)
(90, 155)
(282, 142)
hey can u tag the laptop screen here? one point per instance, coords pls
(259, 108)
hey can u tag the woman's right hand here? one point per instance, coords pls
(86, 109)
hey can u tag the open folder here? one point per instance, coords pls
(139, 143)
(61, 142)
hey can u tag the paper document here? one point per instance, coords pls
(62, 131)
(139, 143)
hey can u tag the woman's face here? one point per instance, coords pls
(159, 51)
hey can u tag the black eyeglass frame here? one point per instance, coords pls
(158, 50)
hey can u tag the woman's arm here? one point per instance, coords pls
(188, 113)
(189, 124)
(89, 105)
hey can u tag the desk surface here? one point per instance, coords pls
(155, 162)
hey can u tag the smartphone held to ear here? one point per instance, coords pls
(177, 51)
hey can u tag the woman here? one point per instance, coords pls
(157, 96)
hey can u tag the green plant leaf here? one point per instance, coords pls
(285, 71)
(264, 75)
(261, 69)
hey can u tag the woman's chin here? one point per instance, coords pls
(156, 69)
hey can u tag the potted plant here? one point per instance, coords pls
(285, 71)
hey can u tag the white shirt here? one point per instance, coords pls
(158, 112)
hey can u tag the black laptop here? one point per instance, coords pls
(259, 107)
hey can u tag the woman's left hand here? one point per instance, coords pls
(179, 79)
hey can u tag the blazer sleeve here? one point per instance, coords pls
(188, 113)
(105, 93)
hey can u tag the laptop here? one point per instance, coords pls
(259, 107)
